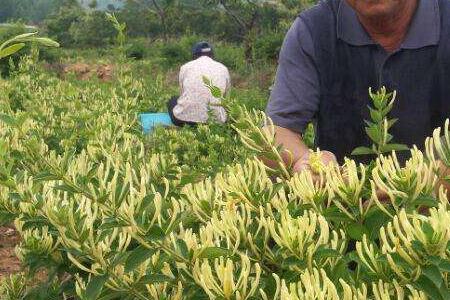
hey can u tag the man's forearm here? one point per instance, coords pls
(293, 146)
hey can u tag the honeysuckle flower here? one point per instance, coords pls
(315, 284)
(37, 241)
(370, 257)
(162, 291)
(304, 189)
(227, 279)
(242, 227)
(248, 183)
(13, 287)
(386, 291)
(315, 161)
(346, 184)
(438, 146)
(204, 198)
(301, 237)
(405, 183)
(196, 243)
(399, 234)
(353, 293)
(398, 240)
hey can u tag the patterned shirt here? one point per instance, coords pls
(195, 98)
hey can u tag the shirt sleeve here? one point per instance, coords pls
(228, 84)
(181, 76)
(294, 100)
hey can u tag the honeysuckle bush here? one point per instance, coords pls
(105, 212)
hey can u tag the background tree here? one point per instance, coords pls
(160, 8)
(7, 10)
(247, 15)
(58, 24)
(30, 11)
(92, 30)
(140, 22)
(93, 4)
(111, 7)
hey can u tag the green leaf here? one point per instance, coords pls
(154, 278)
(6, 218)
(66, 188)
(445, 292)
(389, 138)
(418, 246)
(183, 248)
(293, 261)
(342, 271)
(444, 266)
(8, 120)
(35, 222)
(114, 296)
(326, 253)
(296, 210)
(368, 123)
(214, 252)
(216, 92)
(374, 220)
(433, 274)
(45, 176)
(375, 115)
(363, 151)
(429, 288)
(391, 123)
(335, 215)
(356, 231)
(426, 201)
(394, 147)
(22, 37)
(206, 80)
(155, 233)
(110, 223)
(46, 42)
(374, 134)
(11, 50)
(428, 230)
(120, 258)
(137, 257)
(95, 287)
(8, 183)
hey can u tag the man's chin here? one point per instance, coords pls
(373, 11)
(372, 8)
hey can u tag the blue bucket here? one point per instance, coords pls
(149, 121)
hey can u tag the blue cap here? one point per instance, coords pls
(202, 48)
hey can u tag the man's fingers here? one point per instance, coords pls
(301, 166)
(328, 157)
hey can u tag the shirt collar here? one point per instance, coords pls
(423, 31)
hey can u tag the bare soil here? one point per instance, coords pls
(9, 263)
(83, 71)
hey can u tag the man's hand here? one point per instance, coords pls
(304, 162)
(296, 151)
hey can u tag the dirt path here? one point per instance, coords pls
(8, 261)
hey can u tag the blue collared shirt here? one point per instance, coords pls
(295, 98)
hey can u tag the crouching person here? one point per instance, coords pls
(196, 103)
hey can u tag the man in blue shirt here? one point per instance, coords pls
(338, 49)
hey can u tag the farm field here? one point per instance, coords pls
(104, 212)
(92, 208)
(164, 142)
